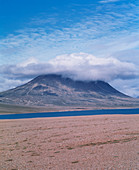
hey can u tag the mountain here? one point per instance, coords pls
(54, 90)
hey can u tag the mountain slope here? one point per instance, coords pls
(55, 90)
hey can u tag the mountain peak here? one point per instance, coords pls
(58, 90)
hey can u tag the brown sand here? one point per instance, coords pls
(77, 143)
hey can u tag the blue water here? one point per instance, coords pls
(70, 113)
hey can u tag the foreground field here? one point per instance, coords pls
(91, 142)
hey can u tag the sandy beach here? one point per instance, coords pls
(77, 143)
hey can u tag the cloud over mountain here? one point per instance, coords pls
(79, 66)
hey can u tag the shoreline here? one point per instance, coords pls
(78, 113)
(72, 117)
(48, 110)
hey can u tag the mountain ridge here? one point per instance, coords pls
(55, 90)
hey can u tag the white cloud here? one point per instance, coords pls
(79, 66)
(108, 1)
(88, 67)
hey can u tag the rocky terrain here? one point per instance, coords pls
(54, 90)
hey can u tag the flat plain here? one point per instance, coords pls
(85, 142)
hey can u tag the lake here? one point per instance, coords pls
(70, 113)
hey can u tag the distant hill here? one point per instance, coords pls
(54, 90)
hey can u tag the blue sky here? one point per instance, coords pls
(100, 36)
